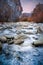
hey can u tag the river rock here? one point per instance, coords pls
(38, 42)
(1, 27)
(7, 27)
(9, 37)
(3, 39)
(10, 10)
(18, 41)
(39, 30)
(21, 36)
(11, 42)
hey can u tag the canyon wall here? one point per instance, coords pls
(10, 10)
(37, 15)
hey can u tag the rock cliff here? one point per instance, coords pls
(10, 10)
(37, 14)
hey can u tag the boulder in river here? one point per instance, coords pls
(39, 30)
(3, 39)
(38, 42)
(18, 41)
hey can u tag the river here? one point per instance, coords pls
(24, 54)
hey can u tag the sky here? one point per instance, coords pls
(29, 5)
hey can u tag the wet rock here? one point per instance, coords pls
(28, 28)
(0, 47)
(15, 40)
(5, 27)
(3, 39)
(1, 28)
(36, 38)
(9, 37)
(20, 36)
(8, 27)
(11, 42)
(38, 42)
(29, 31)
(18, 41)
(39, 30)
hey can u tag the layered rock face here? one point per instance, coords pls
(37, 14)
(10, 10)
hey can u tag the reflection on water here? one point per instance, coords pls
(24, 54)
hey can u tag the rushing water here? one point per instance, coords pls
(24, 54)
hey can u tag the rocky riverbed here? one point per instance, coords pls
(21, 43)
